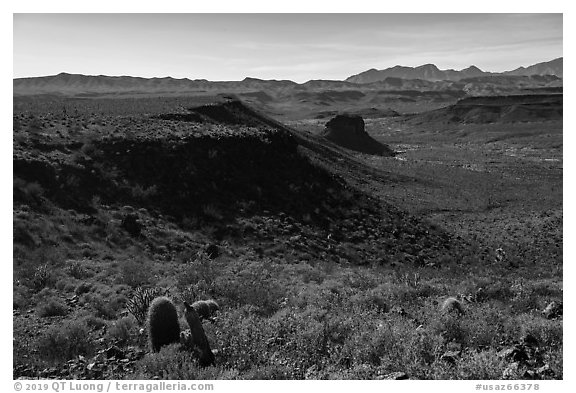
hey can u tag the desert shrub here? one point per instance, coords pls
(51, 308)
(365, 347)
(168, 363)
(451, 328)
(190, 294)
(82, 288)
(171, 363)
(309, 273)
(300, 336)
(78, 271)
(481, 325)
(28, 192)
(410, 279)
(407, 294)
(138, 304)
(242, 337)
(41, 277)
(142, 193)
(198, 267)
(378, 298)
(65, 341)
(20, 297)
(44, 295)
(526, 302)
(549, 333)
(497, 290)
(105, 308)
(287, 344)
(251, 283)
(87, 250)
(247, 290)
(415, 348)
(484, 365)
(358, 280)
(134, 273)
(23, 233)
(486, 326)
(328, 296)
(555, 359)
(268, 372)
(370, 301)
(545, 290)
(394, 343)
(66, 285)
(36, 267)
(94, 322)
(123, 331)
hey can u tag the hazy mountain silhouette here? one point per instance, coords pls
(554, 67)
(430, 72)
(423, 78)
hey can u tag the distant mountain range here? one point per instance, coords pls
(554, 67)
(430, 72)
(78, 84)
(424, 78)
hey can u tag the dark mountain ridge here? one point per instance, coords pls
(431, 72)
(425, 77)
(493, 109)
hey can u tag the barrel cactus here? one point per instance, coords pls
(162, 323)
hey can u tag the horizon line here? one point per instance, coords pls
(279, 80)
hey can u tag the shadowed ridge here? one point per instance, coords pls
(497, 109)
(322, 151)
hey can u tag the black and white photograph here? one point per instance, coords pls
(287, 196)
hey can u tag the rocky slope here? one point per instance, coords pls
(218, 162)
(497, 109)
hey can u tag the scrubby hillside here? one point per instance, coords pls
(316, 278)
(498, 109)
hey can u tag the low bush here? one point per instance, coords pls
(123, 331)
(483, 365)
(65, 341)
(169, 363)
(51, 308)
(135, 273)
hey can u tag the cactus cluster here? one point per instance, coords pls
(199, 341)
(206, 309)
(164, 328)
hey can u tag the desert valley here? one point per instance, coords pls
(403, 223)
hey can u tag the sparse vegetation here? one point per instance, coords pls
(52, 307)
(123, 331)
(65, 342)
(140, 301)
(329, 265)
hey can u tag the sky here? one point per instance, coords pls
(298, 47)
